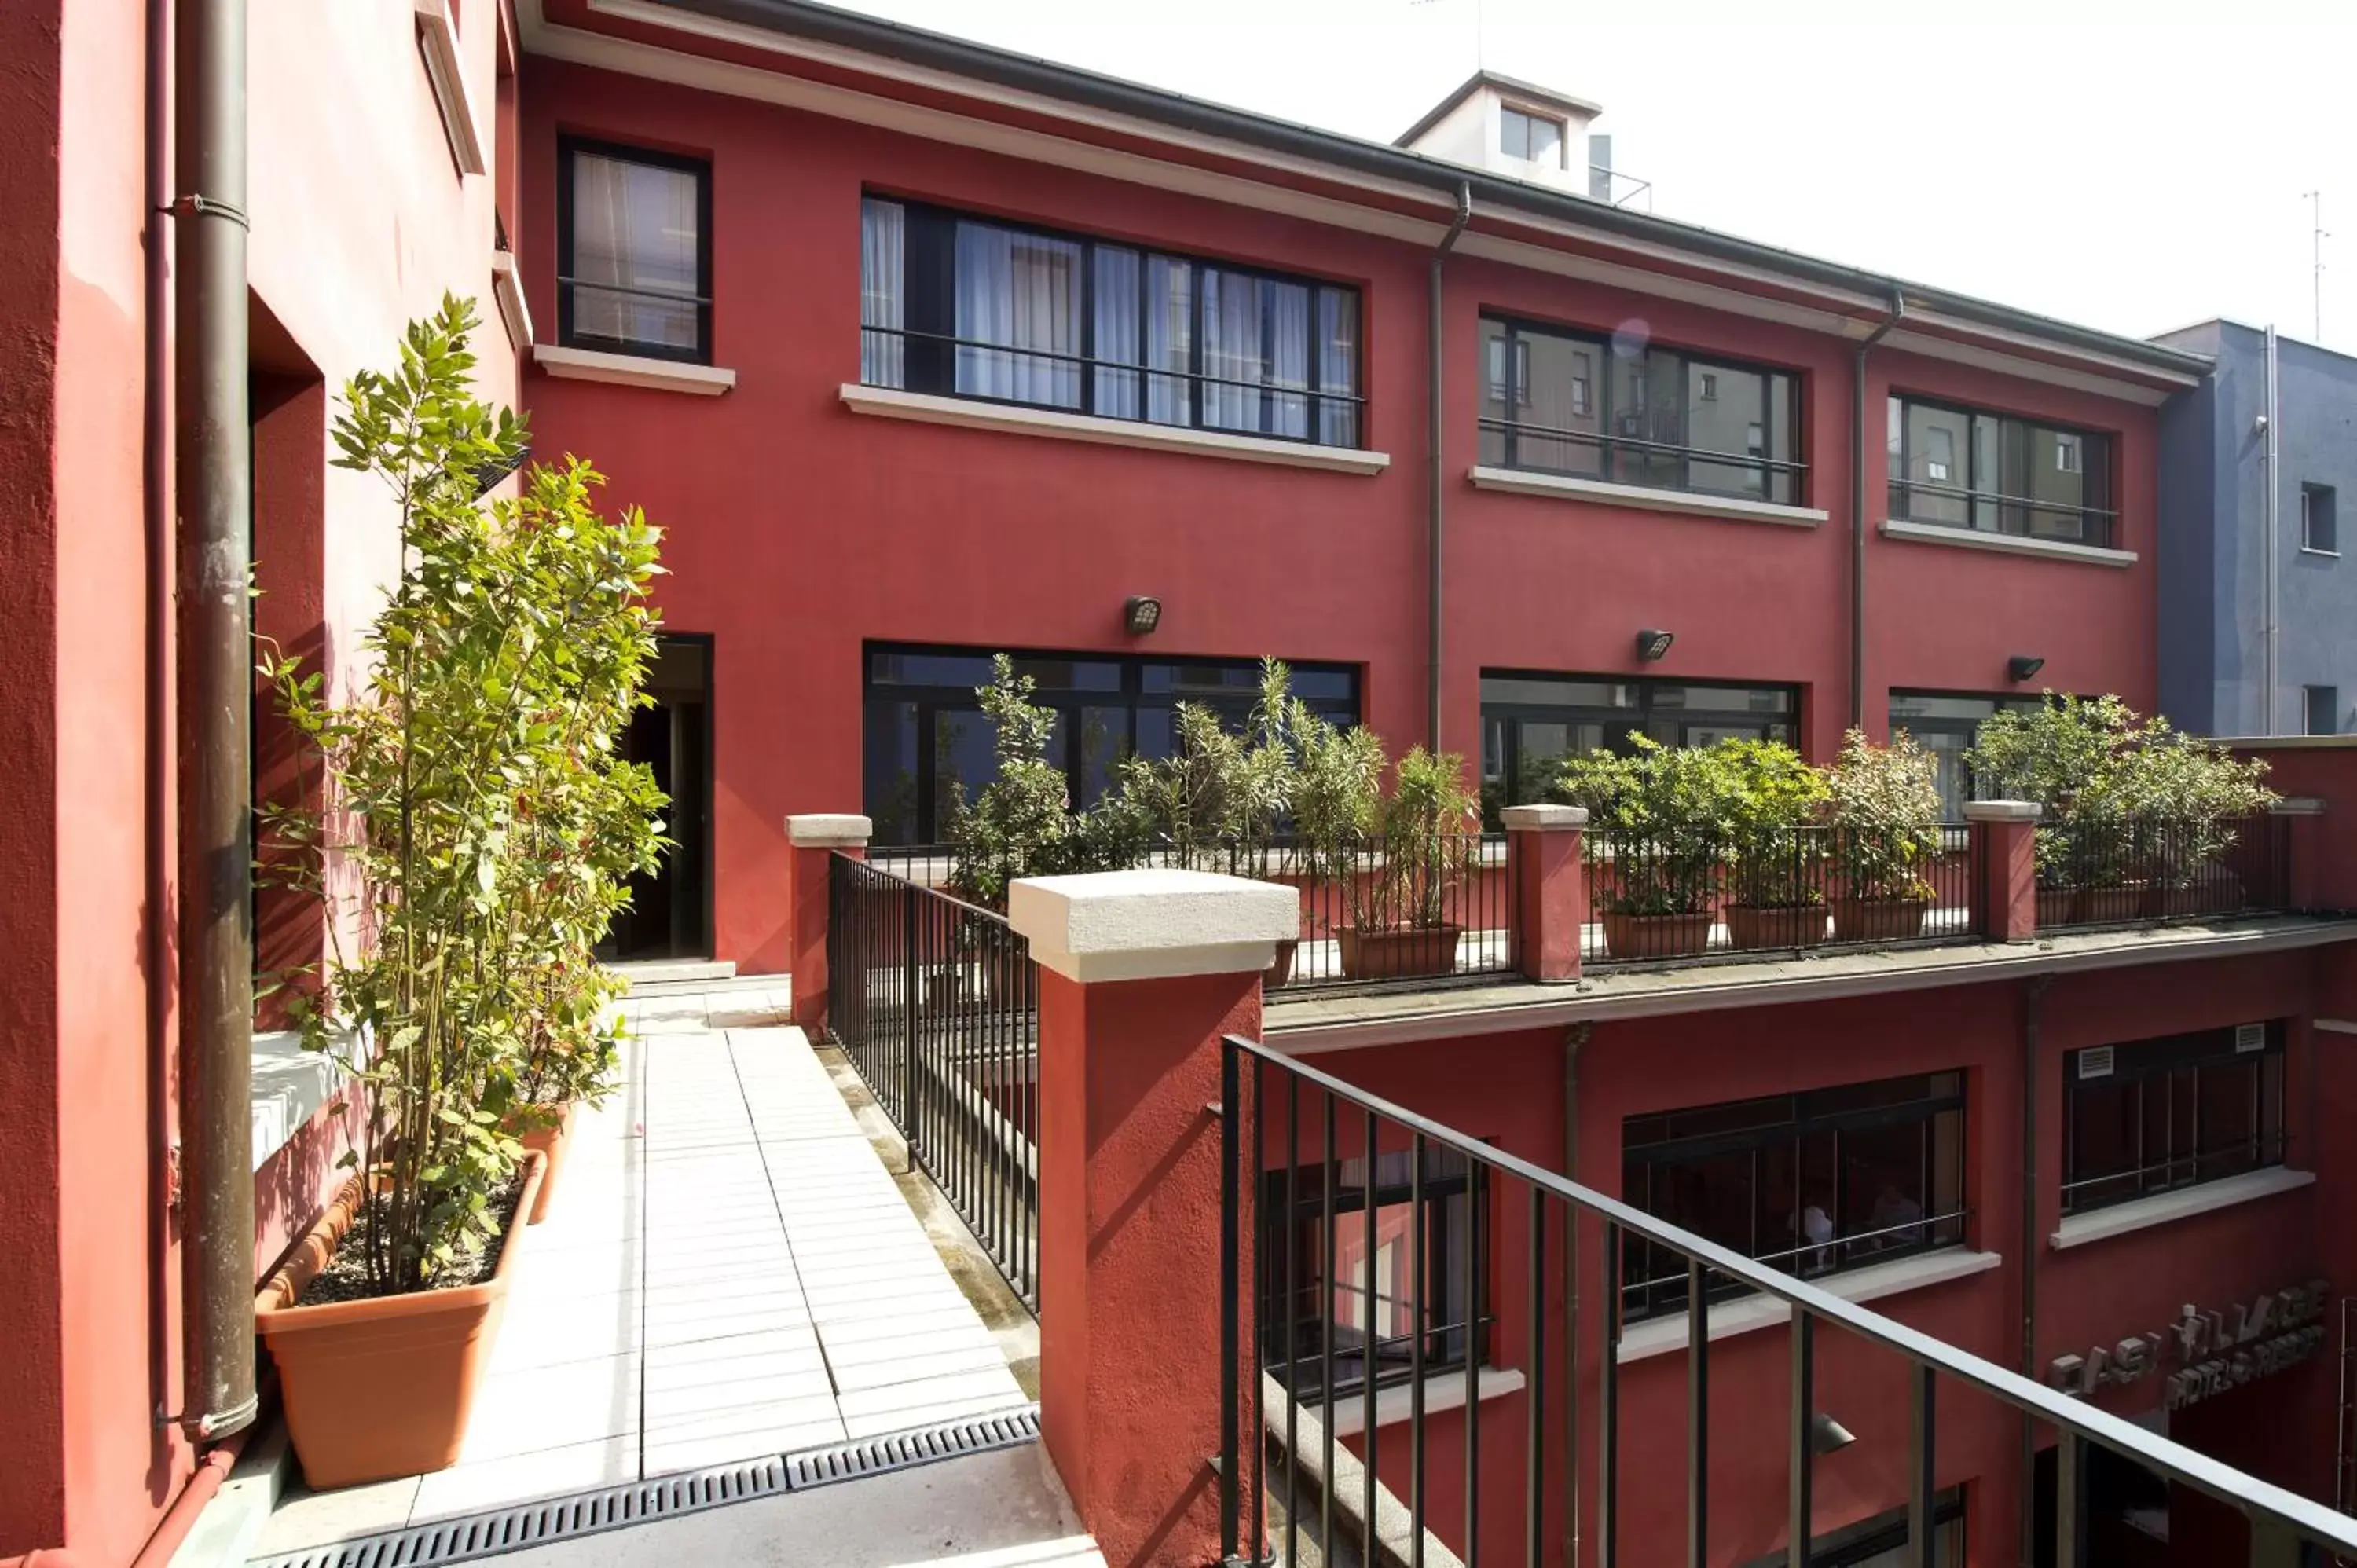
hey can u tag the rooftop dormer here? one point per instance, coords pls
(1511, 128)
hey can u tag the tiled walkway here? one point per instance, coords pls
(727, 1272)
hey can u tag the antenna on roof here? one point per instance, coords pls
(2316, 251)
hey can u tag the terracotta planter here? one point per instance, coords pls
(1781, 926)
(379, 1389)
(1280, 968)
(1878, 919)
(1656, 936)
(1398, 952)
(551, 1142)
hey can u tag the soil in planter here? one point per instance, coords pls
(345, 1277)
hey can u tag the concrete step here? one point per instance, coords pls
(648, 976)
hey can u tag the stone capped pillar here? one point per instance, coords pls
(1141, 974)
(2004, 845)
(814, 840)
(1549, 886)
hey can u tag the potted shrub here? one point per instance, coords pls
(1885, 816)
(2184, 795)
(2065, 755)
(502, 665)
(1015, 827)
(1399, 911)
(1657, 841)
(1775, 891)
(1337, 802)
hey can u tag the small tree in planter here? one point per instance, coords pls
(2183, 795)
(1884, 815)
(1660, 820)
(1337, 805)
(2065, 754)
(1431, 844)
(1015, 827)
(1776, 895)
(474, 773)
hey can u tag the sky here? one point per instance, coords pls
(2132, 166)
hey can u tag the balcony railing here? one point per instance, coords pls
(1656, 897)
(1274, 1108)
(2136, 871)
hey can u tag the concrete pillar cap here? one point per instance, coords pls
(828, 829)
(2002, 811)
(1544, 819)
(1154, 924)
(2298, 806)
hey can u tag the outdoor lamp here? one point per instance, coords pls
(487, 476)
(2022, 666)
(1142, 613)
(1827, 1435)
(1652, 645)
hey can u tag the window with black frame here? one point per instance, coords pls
(1882, 1542)
(1597, 407)
(975, 307)
(1330, 1290)
(1991, 473)
(1813, 1183)
(928, 746)
(1946, 725)
(1531, 721)
(2157, 1115)
(633, 261)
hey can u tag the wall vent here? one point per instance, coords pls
(2095, 1061)
(2250, 1037)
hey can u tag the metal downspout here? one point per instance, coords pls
(1573, 1039)
(216, 661)
(1857, 509)
(1432, 403)
(2033, 1008)
(2269, 457)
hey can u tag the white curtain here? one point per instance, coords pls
(1338, 366)
(635, 226)
(1023, 291)
(1289, 363)
(1232, 350)
(1169, 338)
(882, 294)
(1116, 333)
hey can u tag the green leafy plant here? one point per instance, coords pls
(1666, 817)
(1885, 812)
(1338, 786)
(1431, 841)
(1772, 806)
(1016, 825)
(482, 826)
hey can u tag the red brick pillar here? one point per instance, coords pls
(1141, 973)
(2005, 859)
(2303, 828)
(813, 841)
(1549, 885)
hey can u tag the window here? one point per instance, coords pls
(1367, 1299)
(634, 265)
(1531, 721)
(1533, 138)
(928, 745)
(1957, 467)
(2323, 709)
(2319, 528)
(1881, 1541)
(1667, 419)
(2160, 1115)
(1812, 1184)
(1946, 724)
(965, 307)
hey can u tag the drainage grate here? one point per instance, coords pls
(667, 1496)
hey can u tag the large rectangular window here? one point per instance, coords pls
(1811, 1183)
(634, 257)
(2323, 709)
(973, 307)
(2162, 1114)
(1947, 724)
(1529, 722)
(1601, 408)
(929, 745)
(1339, 1294)
(1991, 473)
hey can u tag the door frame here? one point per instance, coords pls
(705, 781)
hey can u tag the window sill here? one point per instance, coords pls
(2327, 554)
(928, 408)
(1442, 1391)
(2164, 1208)
(290, 1085)
(633, 371)
(2008, 544)
(1660, 1336)
(1565, 487)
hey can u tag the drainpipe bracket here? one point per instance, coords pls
(195, 205)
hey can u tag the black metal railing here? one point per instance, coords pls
(936, 1004)
(1988, 512)
(1657, 897)
(1536, 1228)
(1541, 448)
(2136, 870)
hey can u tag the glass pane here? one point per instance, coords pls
(889, 790)
(1938, 445)
(1235, 350)
(1555, 393)
(1648, 407)
(1288, 338)
(1883, 1172)
(964, 761)
(2058, 480)
(2227, 1103)
(882, 300)
(1104, 737)
(1338, 366)
(1169, 339)
(1540, 751)
(1022, 290)
(1539, 691)
(966, 670)
(635, 228)
(1727, 411)
(1118, 328)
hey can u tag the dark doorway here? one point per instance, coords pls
(669, 915)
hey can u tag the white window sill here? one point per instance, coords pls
(507, 287)
(927, 408)
(1734, 509)
(289, 1086)
(2312, 550)
(2165, 1207)
(2007, 543)
(1442, 1391)
(633, 371)
(1661, 1335)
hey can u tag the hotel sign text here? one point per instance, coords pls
(2206, 1353)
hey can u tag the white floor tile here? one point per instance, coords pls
(305, 1517)
(525, 1411)
(472, 1486)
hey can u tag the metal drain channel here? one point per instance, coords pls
(668, 1497)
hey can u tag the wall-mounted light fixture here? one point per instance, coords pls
(1652, 645)
(1141, 613)
(1827, 1435)
(489, 475)
(2023, 666)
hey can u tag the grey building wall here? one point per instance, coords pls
(2213, 536)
